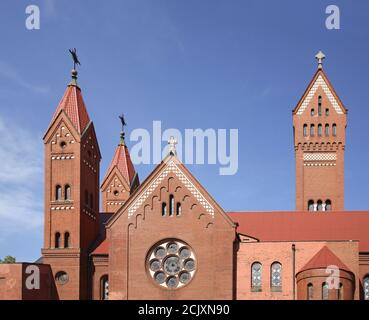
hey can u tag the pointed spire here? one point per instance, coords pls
(320, 56)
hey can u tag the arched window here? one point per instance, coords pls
(91, 201)
(334, 130)
(328, 205)
(104, 287)
(340, 292)
(319, 206)
(66, 240)
(305, 130)
(312, 112)
(86, 197)
(366, 287)
(256, 279)
(171, 205)
(67, 192)
(312, 130)
(320, 129)
(57, 240)
(179, 209)
(58, 193)
(163, 209)
(311, 205)
(327, 129)
(325, 291)
(276, 276)
(327, 112)
(320, 105)
(310, 291)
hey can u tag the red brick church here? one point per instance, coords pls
(167, 238)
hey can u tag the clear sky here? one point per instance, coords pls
(190, 64)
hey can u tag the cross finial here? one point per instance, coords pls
(122, 134)
(320, 57)
(73, 52)
(172, 145)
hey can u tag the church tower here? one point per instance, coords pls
(319, 126)
(121, 178)
(72, 161)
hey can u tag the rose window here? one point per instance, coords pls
(171, 264)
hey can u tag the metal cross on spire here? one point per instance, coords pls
(73, 52)
(172, 146)
(122, 133)
(320, 57)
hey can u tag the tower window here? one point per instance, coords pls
(366, 287)
(171, 205)
(334, 130)
(104, 287)
(320, 105)
(276, 276)
(67, 192)
(305, 129)
(66, 240)
(340, 292)
(256, 279)
(311, 205)
(179, 209)
(310, 291)
(319, 205)
(327, 129)
(58, 193)
(325, 291)
(328, 205)
(163, 209)
(312, 112)
(327, 112)
(86, 197)
(320, 129)
(57, 240)
(312, 130)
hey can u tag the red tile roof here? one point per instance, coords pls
(122, 160)
(324, 258)
(102, 248)
(305, 226)
(73, 105)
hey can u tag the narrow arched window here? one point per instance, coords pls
(340, 292)
(67, 192)
(163, 209)
(256, 280)
(57, 240)
(310, 291)
(312, 130)
(328, 205)
(320, 129)
(276, 276)
(319, 206)
(58, 193)
(66, 240)
(91, 201)
(178, 209)
(325, 291)
(327, 129)
(104, 287)
(171, 205)
(327, 112)
(305, 130)
(320, 105)
(366, 287)
(86, 197)
(334, 130)
(311, 205)
(312, 112)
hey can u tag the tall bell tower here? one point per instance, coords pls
(72, 162)
(319, 126)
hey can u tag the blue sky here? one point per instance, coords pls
(190, 64)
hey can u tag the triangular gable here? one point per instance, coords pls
(108, 179)
(170, 164)
(320, 80)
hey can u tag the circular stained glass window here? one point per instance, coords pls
(171, 264)
(61, 277)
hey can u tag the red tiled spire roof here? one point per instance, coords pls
(323, 259)
(122, 160)
(73, 105)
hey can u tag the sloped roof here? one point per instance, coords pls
(73, 105)
(102, 248)
(324, 258)
(305, 226)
